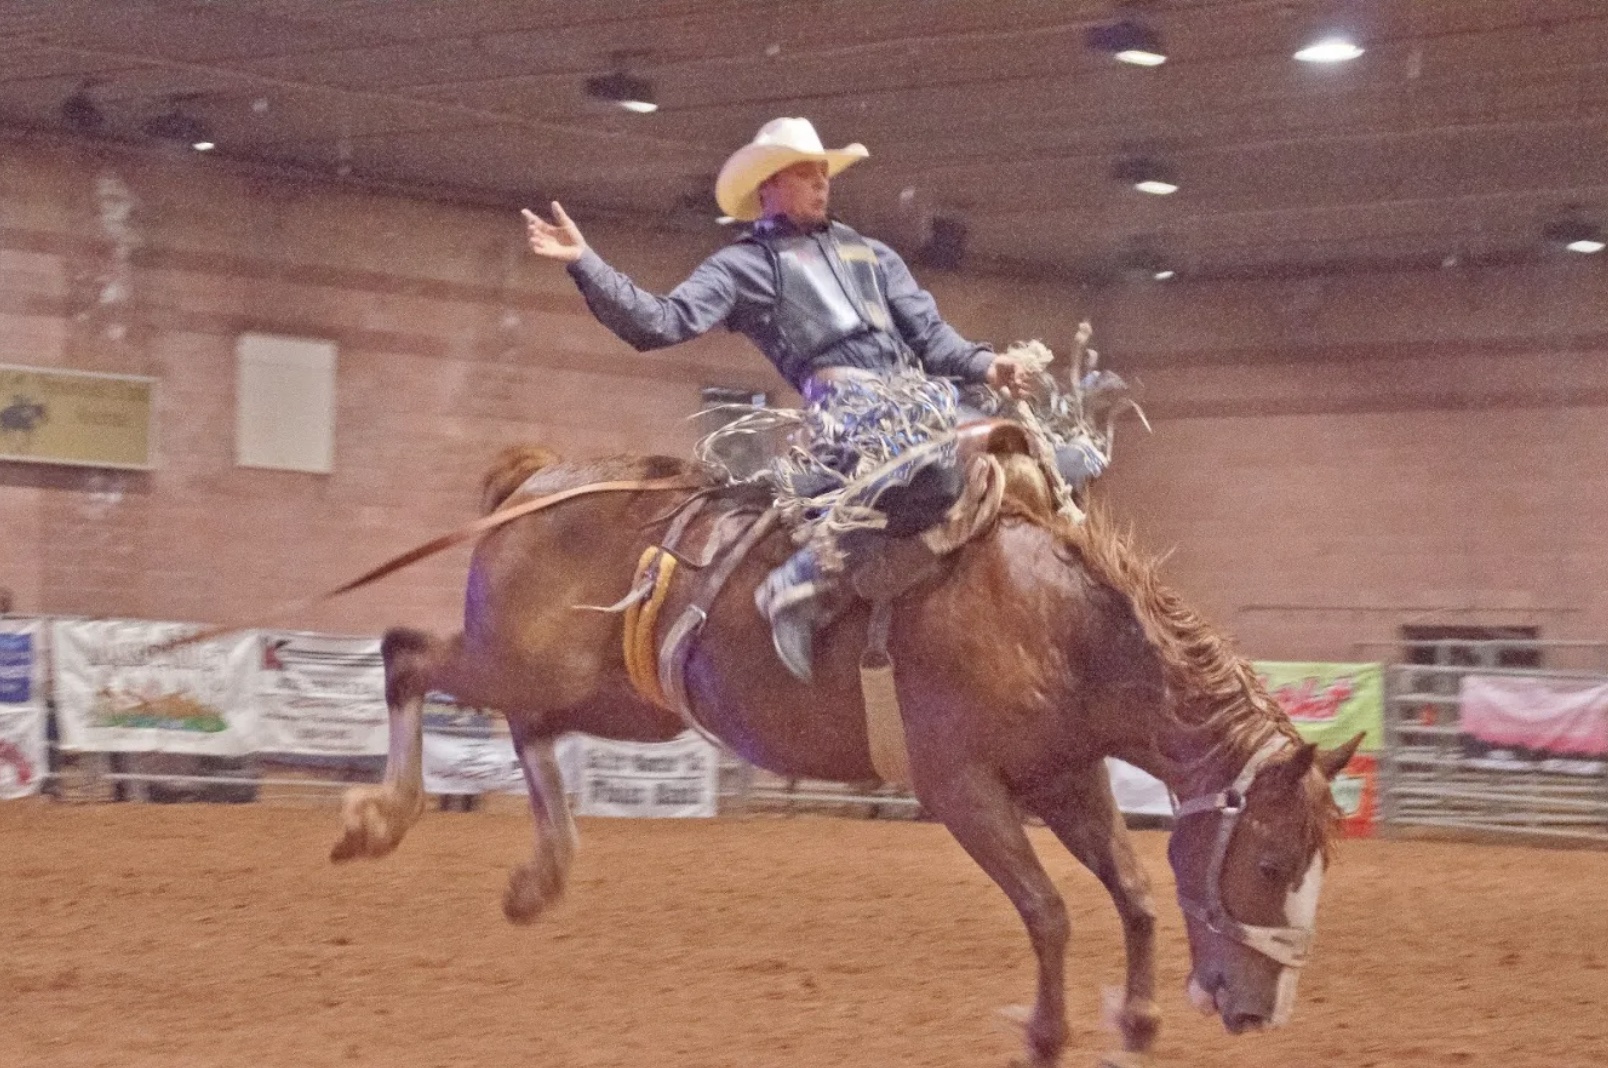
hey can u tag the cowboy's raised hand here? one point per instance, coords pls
(1006, 373)
(562, 242)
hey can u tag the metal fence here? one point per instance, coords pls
(1436, 773)
(161, 777)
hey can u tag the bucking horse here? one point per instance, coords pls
(1030, 649)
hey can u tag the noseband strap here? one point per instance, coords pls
(1288, 946)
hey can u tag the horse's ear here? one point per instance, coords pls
(1287, 775)
(1330, 761)
(1296, 767)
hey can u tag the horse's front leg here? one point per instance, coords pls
(534, 886)
(1081, 811)
(979, 812)
(377, 817)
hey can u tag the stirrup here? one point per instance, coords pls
(788, 599)
(793, 635)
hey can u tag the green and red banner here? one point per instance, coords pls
(1328, 703)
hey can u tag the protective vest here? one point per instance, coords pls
(827, 290)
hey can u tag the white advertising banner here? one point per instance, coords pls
(22, 708)
(1138, 793)
(319, 695)
(672, 779)
(114, 694)
(460, 764)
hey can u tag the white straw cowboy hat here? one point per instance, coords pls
(779, 144)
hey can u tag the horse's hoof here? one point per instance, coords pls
(347, 847)
(531, 889)
(1138, 1022)
(375, 820)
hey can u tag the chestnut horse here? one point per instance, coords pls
(1042, 647)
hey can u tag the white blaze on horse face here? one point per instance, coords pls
(1300, 911)
(1301, 904)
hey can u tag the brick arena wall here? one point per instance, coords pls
(1332, 458)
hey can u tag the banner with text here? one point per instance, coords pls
(1328, 703)
(1546, 724)
(51, 415)
(115, 694)
(22, 708)
(672, 779)
(1138, 793)
(467, 751)
(319, 695)
(460, 764)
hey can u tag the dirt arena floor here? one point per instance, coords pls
(154, 936)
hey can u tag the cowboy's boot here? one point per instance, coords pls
(1079, 462)
(791, 599)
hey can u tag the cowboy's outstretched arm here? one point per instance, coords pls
(939, 346)
(641, 319)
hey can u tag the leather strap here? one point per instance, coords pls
(884, 722)
(677, 648)
(430, 548)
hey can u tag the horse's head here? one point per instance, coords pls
(1249, 862)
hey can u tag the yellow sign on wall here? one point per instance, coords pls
(75, 417)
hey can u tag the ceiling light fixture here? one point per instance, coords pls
(1140, 259)
(945, 246)
(623, 91)
(1335, 49)
(81, 114)
(1147, 175)
(1128, 40)
(1576, 236)
(175, 124)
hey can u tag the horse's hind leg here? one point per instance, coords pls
(1081, 811)
(534, 886)
(979, 812)
(376, 817)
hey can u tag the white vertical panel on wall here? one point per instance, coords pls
(285, 403)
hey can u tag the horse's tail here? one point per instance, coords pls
(509, 471)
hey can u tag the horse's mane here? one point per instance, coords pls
(1216, 691)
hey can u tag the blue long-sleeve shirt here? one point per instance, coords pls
(736, 287)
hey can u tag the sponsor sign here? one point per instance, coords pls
(672, 779)
(75, 417)
(1138, 793)
(1328, 703)
(114, 694)
(467, 751)
(457, 764)
(1516, 723)
(319, 695)
(22, 709)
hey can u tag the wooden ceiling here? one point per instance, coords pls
(1463, 130)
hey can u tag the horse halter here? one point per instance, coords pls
(1287, 946)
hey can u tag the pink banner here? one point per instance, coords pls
(1558, 716)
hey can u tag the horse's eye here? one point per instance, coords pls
(1269, 870)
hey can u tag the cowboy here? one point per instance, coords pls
(823, 303)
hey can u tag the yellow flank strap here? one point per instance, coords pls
(641, 653)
